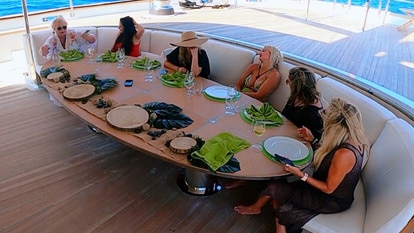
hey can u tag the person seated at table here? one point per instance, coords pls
(304, 103)
(302, 109)
(189, 56)
(129, 37)
(337, 164)
(64, 39)
(259, 80)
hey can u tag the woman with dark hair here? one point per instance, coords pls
(129, 37)
(304, 103)
(302, 109)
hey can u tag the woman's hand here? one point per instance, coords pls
(305, 133)
(182, 70)
(44, 50)
(292, 169)
(194, 51)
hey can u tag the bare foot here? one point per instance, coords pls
(235, 183)
(246, 210)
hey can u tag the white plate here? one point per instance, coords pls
(219, 92)
(286, 147)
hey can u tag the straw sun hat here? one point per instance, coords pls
(190, 39)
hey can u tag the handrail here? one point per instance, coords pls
(399, 105)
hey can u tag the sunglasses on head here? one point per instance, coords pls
(60, 28)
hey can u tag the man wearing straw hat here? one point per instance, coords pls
(188, 56)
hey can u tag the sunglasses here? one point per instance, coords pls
(60, 28)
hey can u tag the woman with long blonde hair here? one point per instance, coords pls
(259, 80)
(337, 163)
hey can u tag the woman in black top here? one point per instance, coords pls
(304, 104)
(188, 56)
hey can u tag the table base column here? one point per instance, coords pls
(198, 183)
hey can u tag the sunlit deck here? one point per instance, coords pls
(57, 176)
(330, 35)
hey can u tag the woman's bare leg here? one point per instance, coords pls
(256, 208)
(279, 228)
(235, 183)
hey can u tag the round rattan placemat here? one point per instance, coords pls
(127, 118)
(55, 77)
(182, 145)
(79, 92)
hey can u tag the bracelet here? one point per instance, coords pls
(304, 177)
(314, 141)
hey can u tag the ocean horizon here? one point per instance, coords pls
(14, 7)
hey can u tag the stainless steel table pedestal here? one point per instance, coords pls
(198, 183)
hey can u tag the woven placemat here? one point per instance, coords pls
(90, 106)
(79, 92)
(58, 86)
(159, 142)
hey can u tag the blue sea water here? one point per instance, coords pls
(394, 5)
(13, 7)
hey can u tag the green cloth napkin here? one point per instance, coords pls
(264, 113)
(218, 150)
(176, 78)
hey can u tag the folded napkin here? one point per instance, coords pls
(264, 113)
(176, 79)
(140, 63)
(218, 150)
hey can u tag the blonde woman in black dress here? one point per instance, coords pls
(337, 163)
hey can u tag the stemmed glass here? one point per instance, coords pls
(90, 52)
(120, 57)
(259, 128)
(147, 67)
(189, 83)
(231, 100)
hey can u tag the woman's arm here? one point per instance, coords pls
(342, 163)
(140, 30)
(90, 38)
(195, 68)
(45, 50)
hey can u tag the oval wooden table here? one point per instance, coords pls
(254, 165)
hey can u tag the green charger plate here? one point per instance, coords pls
(247, 119)
(77, 58)
(218, 99)
(169, 83)
(153, 67)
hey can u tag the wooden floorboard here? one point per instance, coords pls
(58, 176)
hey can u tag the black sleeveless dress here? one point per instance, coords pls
(300, 202)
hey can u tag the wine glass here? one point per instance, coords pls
(148, 68)
(259, 128)
(189, 83)
(90, 52)
(120, 57)
(230, 100)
